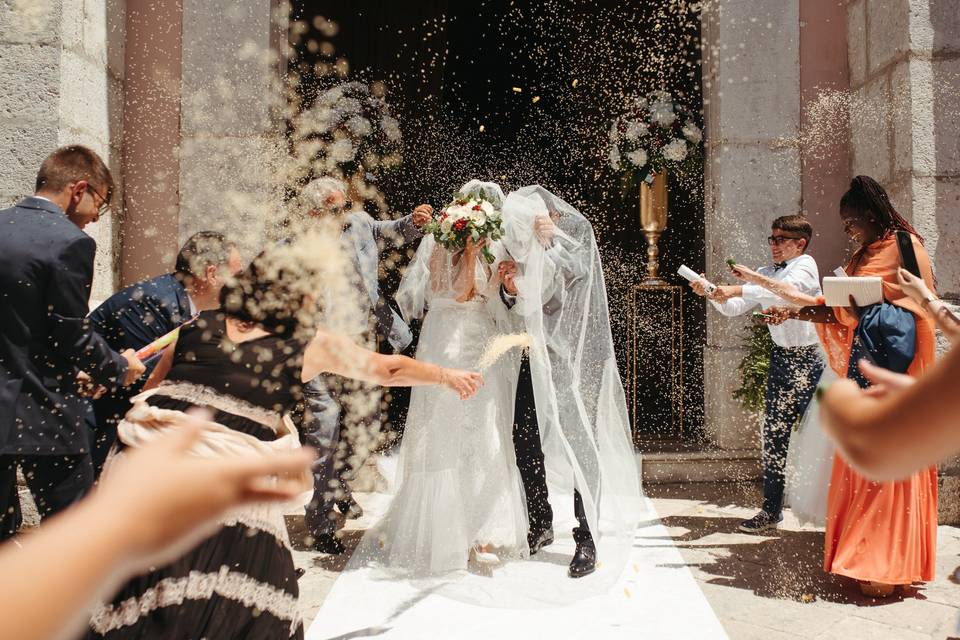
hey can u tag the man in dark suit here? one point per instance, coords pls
(139, 314)
(46, 270)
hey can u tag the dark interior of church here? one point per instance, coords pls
(524, 92)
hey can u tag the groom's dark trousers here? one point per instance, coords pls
(526, 441)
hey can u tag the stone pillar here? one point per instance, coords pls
(151, 161)
(62, 61)
(232, 143)
(752, 105)
(905, 75)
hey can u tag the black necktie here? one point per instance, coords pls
(779, 265)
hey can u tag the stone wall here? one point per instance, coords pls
(752, 104)
(231, 138)
(62, 61)
(905, 73)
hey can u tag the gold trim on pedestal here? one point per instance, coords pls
(654, 199)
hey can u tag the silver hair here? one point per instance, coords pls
(314, 195)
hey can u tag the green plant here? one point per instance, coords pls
(753, 368)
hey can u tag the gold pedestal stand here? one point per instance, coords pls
(653, 220)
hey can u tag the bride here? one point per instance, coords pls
(459, 495)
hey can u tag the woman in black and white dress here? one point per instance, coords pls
(240, 371)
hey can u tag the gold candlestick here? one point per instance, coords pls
(653, 221)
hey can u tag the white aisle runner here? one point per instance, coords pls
(655, 597)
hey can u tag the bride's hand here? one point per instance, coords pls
(473, 248)
(464, 383)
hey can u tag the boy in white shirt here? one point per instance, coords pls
(795, 362)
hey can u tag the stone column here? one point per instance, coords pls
(905, 75)
(231, 139)
(151, 161)
(752, 104)
(62, 61)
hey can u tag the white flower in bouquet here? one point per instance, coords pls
(675, 150)
(446, 224)
(479, 217)
(692, 132)
(638, 158)
(488, 208)
(614, 157)
(391, 128)
(636, 130)
(342, 150)
(359, 126)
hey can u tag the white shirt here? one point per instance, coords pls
(801, 272)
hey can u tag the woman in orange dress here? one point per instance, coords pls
(882, 534)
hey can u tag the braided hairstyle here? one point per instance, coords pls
(867, 199)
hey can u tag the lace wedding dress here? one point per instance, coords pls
(458, 482)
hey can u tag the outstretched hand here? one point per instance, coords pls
(776, 315)
(744, 273)
(464, 383)
(171, 499)
(422, 214)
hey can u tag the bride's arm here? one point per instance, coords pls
(333, 353)
(465, 285)
(438, 269)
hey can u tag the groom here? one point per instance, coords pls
(526, 440)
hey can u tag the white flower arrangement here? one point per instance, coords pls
(655, 134)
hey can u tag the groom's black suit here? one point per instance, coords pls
(526, 442)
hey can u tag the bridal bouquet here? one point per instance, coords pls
(655, 134)
(466, 216)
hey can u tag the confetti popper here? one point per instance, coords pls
(161, 343)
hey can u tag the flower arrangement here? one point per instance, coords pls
(350, 130)
(655, 134)
(467, 216)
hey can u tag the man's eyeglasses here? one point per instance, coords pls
(104, 207)
(779, 240)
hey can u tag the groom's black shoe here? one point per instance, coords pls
(350, 509)
(328, 543)
(539, 540)
(584, 560)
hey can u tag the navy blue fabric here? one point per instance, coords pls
(886, 336)
(46, 270)
(130, 319)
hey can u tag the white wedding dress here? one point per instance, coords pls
(458, 482)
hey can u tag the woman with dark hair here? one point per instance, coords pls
(882, 534)
(239, 370)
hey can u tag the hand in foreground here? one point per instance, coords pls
(913, 286)
(422, 214)
(507, 271)
(545, 229)
(883, 381)
(87, 388)
(777, 315)
(464, 383)
(744, 273)
(135, 368)
(170, 499)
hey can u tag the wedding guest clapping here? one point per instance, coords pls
(139, 314)
(131, 521)
(795, 363)
(46, 271)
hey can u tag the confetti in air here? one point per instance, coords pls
(499, 345)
